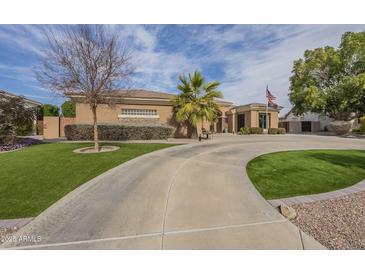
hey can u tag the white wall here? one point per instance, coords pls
(310, 116)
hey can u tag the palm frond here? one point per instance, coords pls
(211, 86)
(197, 99)
(211, 95)
(197, 81)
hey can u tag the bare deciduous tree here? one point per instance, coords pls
(88, 60)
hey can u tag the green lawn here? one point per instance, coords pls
(33, 178)
(293, 173)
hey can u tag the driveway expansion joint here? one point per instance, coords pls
(167, 190)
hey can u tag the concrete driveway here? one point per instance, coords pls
(196, 196)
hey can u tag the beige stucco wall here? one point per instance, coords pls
(274, 119)
(108, 114)
(51, 127)
(63, 122)
(254, 119)
(230, 122)
(251, 119)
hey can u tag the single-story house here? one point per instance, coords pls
(151, 107)
(308, 122)
(28, 103)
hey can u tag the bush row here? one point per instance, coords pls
(279, 130)
(257, 130)
(118, 132)
(361, 129)
(251, 130)
(362, 125)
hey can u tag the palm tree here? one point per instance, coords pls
(196, 101)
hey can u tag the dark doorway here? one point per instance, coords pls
(240, 121)
(219, 125)
(307, 126)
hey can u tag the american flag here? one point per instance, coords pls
(270, 98)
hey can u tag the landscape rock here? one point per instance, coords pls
(339, 127)
(287, 211)
(337, 223)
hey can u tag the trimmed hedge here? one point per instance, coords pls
(119, 132)
(279, 130)
(256, 130)
(362, 125)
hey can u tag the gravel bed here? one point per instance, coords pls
(337, 223)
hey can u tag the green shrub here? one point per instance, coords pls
(119, 132)
(68, 109)
(50, 110)
(362, 125)
(25, 128)
(272, 131)
(244, 131)
(256, 130)
(15, 118)
(279, 130)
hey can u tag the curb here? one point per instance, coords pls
(359, 187)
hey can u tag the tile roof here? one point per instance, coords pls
(133, 93)
(27, 100)
(141, 93)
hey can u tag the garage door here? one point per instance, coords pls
(307, 126)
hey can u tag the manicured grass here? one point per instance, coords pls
(33, 178)
(293, 173)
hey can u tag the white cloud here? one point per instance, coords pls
(247, 76)
(247, 71)
(263, 54)
(26, 38)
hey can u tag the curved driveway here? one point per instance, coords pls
(196, 196)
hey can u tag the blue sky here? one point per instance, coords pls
(244, 58)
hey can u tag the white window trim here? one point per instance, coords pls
(139, 113)
(137, 116)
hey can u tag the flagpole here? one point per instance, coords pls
(267, 106)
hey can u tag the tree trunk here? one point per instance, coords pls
(95, 123)
(194, 132)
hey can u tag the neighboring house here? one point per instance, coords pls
(152, 107)
(27, 103)
(308, 122)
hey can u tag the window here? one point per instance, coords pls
(139, 112)
(263, 120)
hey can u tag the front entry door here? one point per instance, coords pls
(240, 121)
